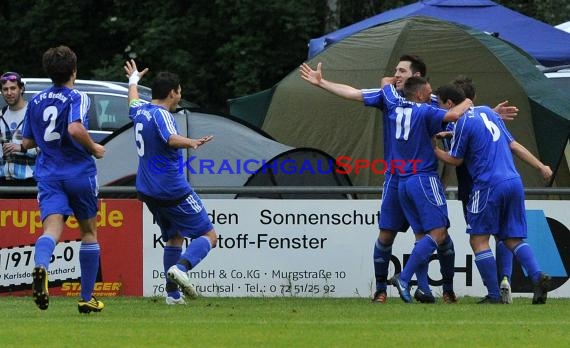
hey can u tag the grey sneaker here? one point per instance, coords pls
(181, 278)
(506, 291)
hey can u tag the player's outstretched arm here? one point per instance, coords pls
(134, 76)
(179, 142)
(315, 77)
(522, 152)
(506, 111)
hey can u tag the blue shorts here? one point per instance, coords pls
(498, 210)
(188, 218)
(77, 196)
(391, 214)
(423, 202)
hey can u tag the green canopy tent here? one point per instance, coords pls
(300, 114)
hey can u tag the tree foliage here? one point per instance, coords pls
(220, 48)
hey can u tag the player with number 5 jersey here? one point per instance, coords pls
(157, 175)
(176, 208)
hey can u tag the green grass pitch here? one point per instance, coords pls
(284, 322)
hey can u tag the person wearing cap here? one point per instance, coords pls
(16, 163)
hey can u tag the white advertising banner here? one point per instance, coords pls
(323, 248)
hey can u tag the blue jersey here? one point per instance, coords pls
(48, 115)
(482, 141)
(160, 173)
(412, 127)
(375, 97)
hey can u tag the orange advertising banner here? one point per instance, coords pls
(119, 232)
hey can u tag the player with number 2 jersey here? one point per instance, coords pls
(58, 106)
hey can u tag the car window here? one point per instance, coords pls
(110, 111)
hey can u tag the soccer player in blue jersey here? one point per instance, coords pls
(413, 123)
(496, 203)
(175, 206)
(465, 184)
(392, 218)
(55, 122)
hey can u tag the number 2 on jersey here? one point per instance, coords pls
(50, 113)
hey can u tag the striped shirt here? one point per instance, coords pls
(18, 165)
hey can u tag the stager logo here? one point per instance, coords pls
(550, 241)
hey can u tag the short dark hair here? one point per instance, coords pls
(416, 64)
(163, 83)
(450, 92)
(466, 84)
(59, 64)
(412, 85)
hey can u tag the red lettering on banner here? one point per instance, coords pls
(119, 232)
(340, 161)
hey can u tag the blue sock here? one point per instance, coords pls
(504, 261)
(89, 262)
(422, 277)
(196, 251)
(525, 256)
(446, 254)
(169, 258)
(420, 254)
(382, 254)
(44, 249)
(487, 267)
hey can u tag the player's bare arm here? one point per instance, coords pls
(524, 154)
(134, 76)
(447, 158)
(180, 142)
(315, 77)
(455, 112)
(80, 134)
(505, 111)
